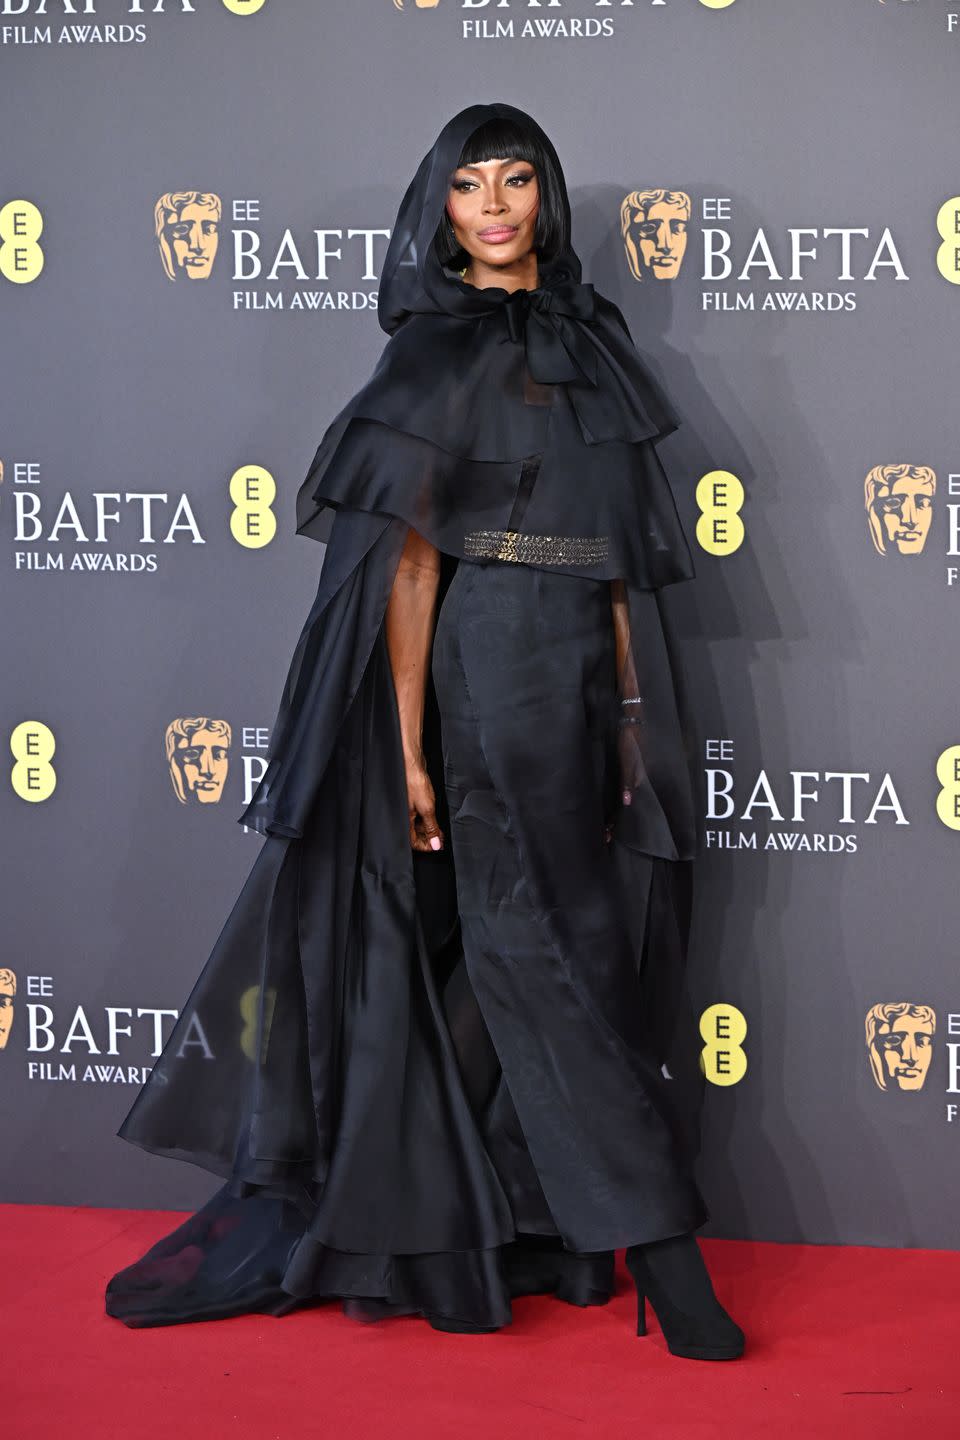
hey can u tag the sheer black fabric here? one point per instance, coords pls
(474, 382)
(246, 1251)
(431, 1082)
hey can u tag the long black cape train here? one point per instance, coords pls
(335, 1076)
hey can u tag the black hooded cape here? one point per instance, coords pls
(323, 1064)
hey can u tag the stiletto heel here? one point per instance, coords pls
(641, 1312)
(694, 1323)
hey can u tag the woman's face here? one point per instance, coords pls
(493, 208)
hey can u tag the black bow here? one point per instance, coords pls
(547, 323)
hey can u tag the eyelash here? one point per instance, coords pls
(461, 185)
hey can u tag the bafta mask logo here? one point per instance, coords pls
(900, 1044)
(8, 993)
(187, 224)
(420, 4)
(198, 757)
(899, 505)
(654, 224)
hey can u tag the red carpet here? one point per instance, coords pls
(842, 1342)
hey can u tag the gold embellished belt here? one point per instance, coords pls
(534, 549)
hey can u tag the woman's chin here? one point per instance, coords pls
(498, 257)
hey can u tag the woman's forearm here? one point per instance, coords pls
(626, 671)
(409, 631)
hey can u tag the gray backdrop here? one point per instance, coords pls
(807, 649)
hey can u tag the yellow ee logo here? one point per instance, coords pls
(253, 491)
(720, 496)
(948, 800)
(250, 1015)
(722, 1058)
(33, 777)
(716, 4)
(948, 228)
(244, 7)
(21, 258)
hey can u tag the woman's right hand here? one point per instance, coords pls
(425, 833)
(633, 771)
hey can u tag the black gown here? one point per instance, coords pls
(432, 1082)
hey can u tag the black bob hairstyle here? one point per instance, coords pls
(503, 139)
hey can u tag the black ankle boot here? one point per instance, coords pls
(694, 1323)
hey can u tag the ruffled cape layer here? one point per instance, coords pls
(444, 433)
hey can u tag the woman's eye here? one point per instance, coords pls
(515, 180)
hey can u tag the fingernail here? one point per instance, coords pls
(435, 842)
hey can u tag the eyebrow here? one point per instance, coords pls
(513, 160)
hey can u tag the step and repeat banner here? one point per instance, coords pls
(195, 203)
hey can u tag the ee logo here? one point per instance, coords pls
(722, 1058)
(21, 258)
(948, 800)
(253, 491)
(33, 777)
(250, 1015)
(720, 496)
(948, 228)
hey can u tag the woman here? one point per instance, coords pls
(428, 1052)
